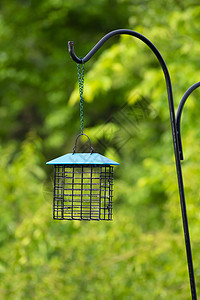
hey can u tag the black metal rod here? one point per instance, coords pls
(179, 114)
(91, 190)
(174, 133)
(100, 176)
(72, 189)
(54, 191)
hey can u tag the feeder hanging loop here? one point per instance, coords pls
(91, 148)
(80, 69)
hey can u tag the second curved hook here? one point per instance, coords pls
(179, 114)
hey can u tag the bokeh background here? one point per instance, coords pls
(141, 253)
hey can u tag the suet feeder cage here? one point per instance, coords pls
(83, 186)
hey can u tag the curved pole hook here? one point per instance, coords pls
(179, 114)
(174, 133)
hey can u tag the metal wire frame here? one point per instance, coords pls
(83, 192)
(174, 133)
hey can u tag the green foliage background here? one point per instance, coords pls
(141, 254)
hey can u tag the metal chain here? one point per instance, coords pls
(80, 69)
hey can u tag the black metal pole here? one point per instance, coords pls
(179, 114)
(174, 132)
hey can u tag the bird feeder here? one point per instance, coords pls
(83, 186)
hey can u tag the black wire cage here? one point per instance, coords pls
(83, 187)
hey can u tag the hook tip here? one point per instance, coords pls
(72, 54)
(70, 45)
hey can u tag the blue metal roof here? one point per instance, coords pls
(82, 159)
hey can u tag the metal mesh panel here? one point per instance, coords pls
(82, 192)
